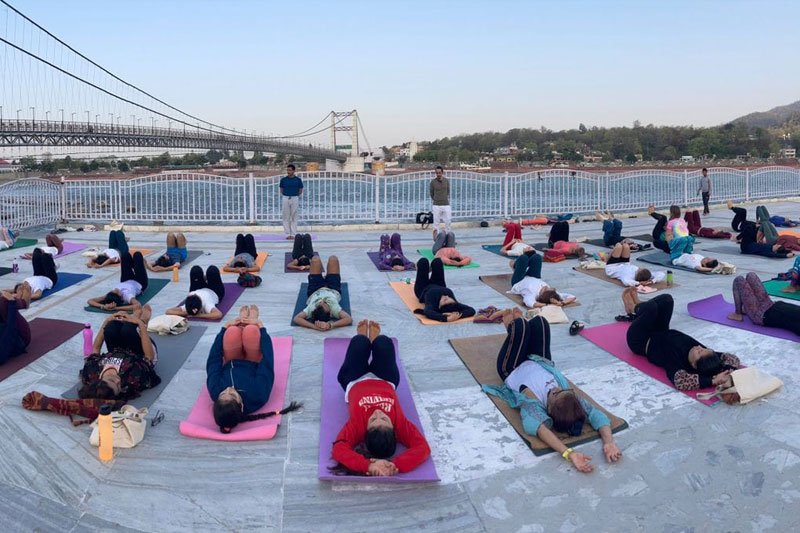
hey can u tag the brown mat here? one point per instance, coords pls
(478, 355)
(502, 283)
(600, 273)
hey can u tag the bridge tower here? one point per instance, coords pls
(345, 121)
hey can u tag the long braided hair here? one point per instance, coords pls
(228, 415)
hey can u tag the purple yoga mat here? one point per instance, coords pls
(46, 334)
(716, 309)
(287, 258)
(334, 415)
(275, 237)
(232, 293)
(375, 257)
(70, 248)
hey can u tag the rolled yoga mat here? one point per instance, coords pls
(46, 334)
(502, 284)
(406, 293)
(65, 279)
(600, 273)
(232, 293)
(478, 355)
(200, 422)
(613, 339)
(375, 257)
(173, 350)
(427, 253)
(662, 258)
(287, 258)
(334, 415)
(21, 243)
(302, 297)
(773, 288)
(716, 309)
(154, 286)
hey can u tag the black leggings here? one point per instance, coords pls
(117, 241)
(739, 218)
(132, 268)
(246, 244)
(124, 336)
(658, 230)
(783, 315)
(559, 232)
(357, 360)
(525, 337)
(652, 316)
(428, 273)
(12, 341)
(211, 280)
(44, 265)
(302, 246)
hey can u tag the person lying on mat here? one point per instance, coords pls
(369, 377)
(516, 248)
(54, 246)
(783, 222)
(696, 262)
(765, 232)
(612, 231)
(244, 257)
(302, 252)
(688, 363)
(444, 248)
(323, 310)
(240, 371)
(526, 281)
(619, 267)
(391, 254)
(751, 299)
(7, 238)
(659, 230)
(558, 240)
(431, 290)
(132, 282)
(128, 365)
(695, 225)
(175, 255)
(749, 243)
(547, 402)
(117, 245)
(15, 332)
(44, 278)
(792, 276)
(205, 292)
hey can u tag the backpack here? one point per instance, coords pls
(424, 219)
(247, 279)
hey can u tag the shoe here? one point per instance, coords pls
(646, 246)
(576, 327)
(625, 318)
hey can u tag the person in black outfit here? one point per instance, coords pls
(687, 362)
(302, 252)
(659, 230)
(431, 290)
(559, 232)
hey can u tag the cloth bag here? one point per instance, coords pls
(128, 424)
(554, 314)
(748, 384)
(168, 325)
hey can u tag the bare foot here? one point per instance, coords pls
(435, 233)
(374, 330)
(729, 204)
(244, 312)
(790, 288)
(610, 215)
(599, 216)
(254, 313)
(363, 328)
(735, 316)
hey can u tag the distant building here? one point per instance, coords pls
(687, 159)
(409, 151)
(788, 153)
(6, 166)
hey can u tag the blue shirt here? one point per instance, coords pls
(291, 186)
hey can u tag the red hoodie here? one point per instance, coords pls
(366, 397)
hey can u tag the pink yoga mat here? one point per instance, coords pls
(276, 237)
(716, 309)
(612, 338)
(334, 415)
(200, 422)
(232, 293)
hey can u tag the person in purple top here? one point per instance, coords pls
(391, 254)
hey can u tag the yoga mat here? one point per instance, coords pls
(773, 288)
(4, 271)
(643, 238)
(145, 252)
(173, 350)
(232, 293)
(600, 273)
(495, 248)
(732, 249)
(46, 334)
(276, 237)
(200, 422)
(68, 248)
(406, 293)
(612, 338)
(792, 232)
(65, 279)
(716, 309)
(21, 243)
(375, 257)
(662, 258)
(261, 258)
(302, 297)
(502, 284)
(191, 255)
(154, 285)
(478, 355)
(287, 258)
(426, 252)
(333, 416)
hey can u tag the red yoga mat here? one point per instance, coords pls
(46, 334)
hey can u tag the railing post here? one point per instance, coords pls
(685, 187)
(63, 200)
(117, 210)
(251, 193)
(377, 195)
(506, 185)
(747, 185)
(608, 187)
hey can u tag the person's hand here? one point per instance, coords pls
(322, 326)
(233, 323)
(582, 462)
(612, 453)
(109, 306)
(646, 283)
(382, 467)
(8, 296)
(453, 316)
(398, 268)
(732, 398)
(723, 378)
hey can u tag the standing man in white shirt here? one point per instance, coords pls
(440, 195)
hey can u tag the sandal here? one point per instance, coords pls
(576, 327)
(625, 318)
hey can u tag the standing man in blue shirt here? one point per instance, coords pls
(291, 189)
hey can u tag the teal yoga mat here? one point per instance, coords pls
(21, 243)
(662, 258)
(424, 252)
(302, 296)
(773, 288)
(154, 286)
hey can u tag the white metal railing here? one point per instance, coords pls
(336, 197)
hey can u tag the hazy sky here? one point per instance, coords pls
(424, 70)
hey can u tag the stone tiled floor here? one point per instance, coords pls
(685, 467)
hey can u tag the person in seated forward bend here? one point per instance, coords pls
(547, 402)
(205, 293)
(391, 254)
(369, 377)
(117, 245)
(15, 332)
(323, 310)
(751, 299)
(689, 365)
(444, 248)
(302, 252)
(526, 282)
(431, 290)
(619, 267)
(33, 287)
(175, 255)
(612, 231)
(53, 246)
(244, 257)
(128, 365)
(132, 282)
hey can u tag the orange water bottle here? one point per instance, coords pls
(175, 276)
(106, 433)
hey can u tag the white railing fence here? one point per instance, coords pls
(343, 197)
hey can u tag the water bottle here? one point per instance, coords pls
(14, 266)
(88, 342)
(175, 276)
(669, 278)
(105, 432)
(408, 281)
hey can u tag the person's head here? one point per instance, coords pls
(290, 168)
(456, 259)
(163, 261)
(439, 171)
(321, 313)
(445, 300)
(380, 438)
(100, 259)
(781, 249)
(643, 274)
(303, 261)
(108, 387)
(705, 360)
(193, 304)
(674, 211)
(228, 409)
(113, 297)
(239, 263)
(709, 262)
(566, 411)
(705, 172)
(548, 296)
(580, 251)
(396, 261)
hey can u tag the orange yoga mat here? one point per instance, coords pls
(261, 258)
(406, 293)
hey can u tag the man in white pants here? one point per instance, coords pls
(291, 187)
(440, 195)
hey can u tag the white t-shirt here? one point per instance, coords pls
(626, 273)
(529, 288)
(208, 299)
(52, 250)
(517, 249)
(39, 283)
(111, 253)
(129, 290)
(533, 376)
(688, 260)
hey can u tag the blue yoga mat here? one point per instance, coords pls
(302, 296)
(65, 279)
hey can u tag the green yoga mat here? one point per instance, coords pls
(154, 285)
(22, 243)
(424, 252)
(774, 287)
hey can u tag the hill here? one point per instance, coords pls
(776, 116)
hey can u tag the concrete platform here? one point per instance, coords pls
(686, 467)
